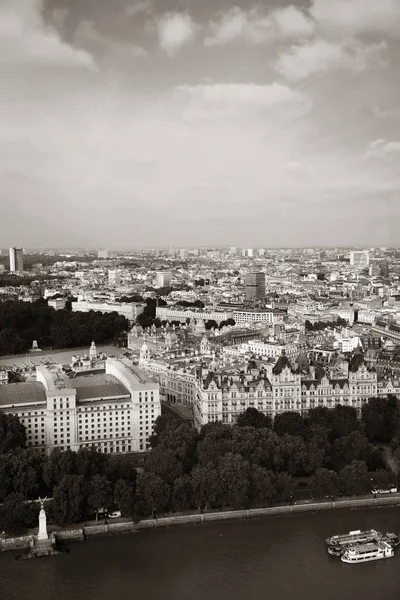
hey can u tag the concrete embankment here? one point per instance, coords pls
(83, 533)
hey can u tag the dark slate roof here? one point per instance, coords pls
(281, 363)
(356, 362)
(98, 386)
(20, 393)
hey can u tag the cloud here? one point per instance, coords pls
(232, 98)
(320, 56)
(139, 7)
(382, 149)
(255, 27)
(25, 39)
(353, 17)
(87, 36)
(175, 30)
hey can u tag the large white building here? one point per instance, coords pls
(130, 310)
(359, 259)
(167, 313)
(164, 279)
(112, 411)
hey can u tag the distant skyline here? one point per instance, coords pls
(140, 123)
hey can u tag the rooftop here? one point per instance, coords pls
(21, 393)
(97, 385)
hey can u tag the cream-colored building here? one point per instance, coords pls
(129, 310)
(112, 411)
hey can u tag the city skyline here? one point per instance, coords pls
(199, 123)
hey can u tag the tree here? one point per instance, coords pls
(262, 488)
(69, 499)
(345, 450)
(182, 494)
(355, 479)
(57, 466)
(216, 441)
(381, 419)
(325, 483)
(162, 462)
(211, 324)
(153, 491)
(382, 479)
(15, 514)
(285, 487)
(290, 422)
(124, 497)
(234, 475)
(207, 488)
(99, 494)
(12, 433)
(253, 418)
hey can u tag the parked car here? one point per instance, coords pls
(115, 515)
(392, 490)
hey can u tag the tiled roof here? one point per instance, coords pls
(20, 393)
(98, 386)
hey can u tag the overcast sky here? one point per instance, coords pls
(158, 122)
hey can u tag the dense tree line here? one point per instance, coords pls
(254, 463)
(23, 322)
(321, 325)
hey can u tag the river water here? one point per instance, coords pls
(271, 558)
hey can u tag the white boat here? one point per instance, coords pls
(367, 552)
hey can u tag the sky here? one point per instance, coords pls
(199, 122)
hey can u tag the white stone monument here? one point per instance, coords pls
(42, 535)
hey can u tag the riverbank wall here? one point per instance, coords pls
(89, 531)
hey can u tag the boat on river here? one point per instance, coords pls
(338, 544)
(367, 552)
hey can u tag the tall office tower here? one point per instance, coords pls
(184, 254)
(16, 260)
(255, 287)
(102, 254)
(114, 278)
(261, 252)
(359, 259)
(250, 253)
(164, 279)
(384, 269)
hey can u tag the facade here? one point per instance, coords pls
(57, 303)
(16, 260)
(270, 349)
(222, 393)
(166, 313)
(387, 330)
(102, 254)
(164, 279)
(253, 316)
(3, 376)
(114, 278)
(255, 287)
(112, 411)
(129, 310)
(359, 259)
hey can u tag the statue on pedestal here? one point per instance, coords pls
(42, 535)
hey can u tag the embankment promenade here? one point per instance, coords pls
(128, 526)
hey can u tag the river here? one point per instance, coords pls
(271, 558)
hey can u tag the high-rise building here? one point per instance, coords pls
(359, 259)
(250, 253)
(255, 287)
(114, 278)
(184, 254)
(16, 260)
(384, 269)
(102, 254)
(164, 279)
